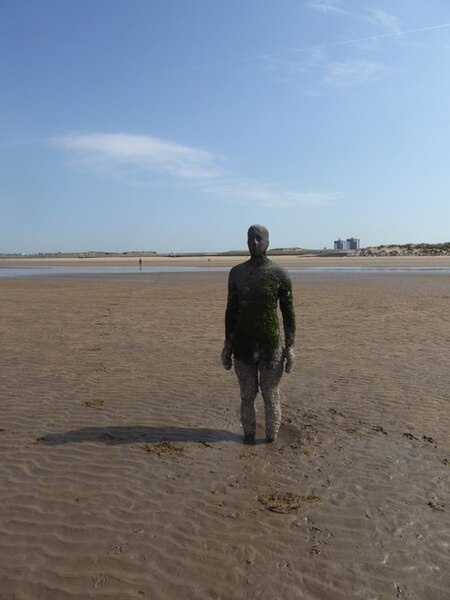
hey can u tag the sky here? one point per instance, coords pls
(173, 125)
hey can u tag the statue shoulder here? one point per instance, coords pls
(279, 271)
(238, 271)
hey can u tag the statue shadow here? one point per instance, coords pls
(129, 434)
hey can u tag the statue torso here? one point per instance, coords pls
(257, 285)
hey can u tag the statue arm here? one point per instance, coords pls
(231, 315)
(288, 313)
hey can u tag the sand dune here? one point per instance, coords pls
(123, 473)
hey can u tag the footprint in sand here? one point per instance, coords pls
(318, 538)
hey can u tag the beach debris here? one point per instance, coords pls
(94, 403)
(217, 487)
(233, 515)
(100, 581)
(429, 439)
(233, 481)
(409, 436)
(352, 430)
(203, 444)
(309, 414)
(284, 564)
(445, 461)
(163, 448)
(285, 502)
(380, 429)
(335, 412)
(435, 505)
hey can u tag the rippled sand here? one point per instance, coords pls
(122, 469)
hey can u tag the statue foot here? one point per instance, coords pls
(249, 439)
(270, 439)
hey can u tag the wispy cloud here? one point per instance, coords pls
(144, 152)
(350, 73)
(331, 76)
(269, 195)
(291, 199)
(304, 61)
(327, 6)
(389, 23)
(357, 68)
(377, 17)
(281, 57)
(198, 168)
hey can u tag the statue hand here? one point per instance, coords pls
(289, 357)
(226, 357)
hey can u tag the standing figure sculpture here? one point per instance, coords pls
(252, 333)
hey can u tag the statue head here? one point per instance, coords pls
(257, 240)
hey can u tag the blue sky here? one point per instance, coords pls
(173, 125)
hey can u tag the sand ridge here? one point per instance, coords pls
(122, 469)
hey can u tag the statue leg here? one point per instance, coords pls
(247, 374)
(270, 377)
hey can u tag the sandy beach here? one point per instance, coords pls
(123, 473)
(286, 260)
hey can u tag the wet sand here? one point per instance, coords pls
(122, 469)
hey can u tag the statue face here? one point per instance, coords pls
(257, 240)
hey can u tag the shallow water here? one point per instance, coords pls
(68, 270)
(45, 271)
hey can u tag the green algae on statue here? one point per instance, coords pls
(252, 332)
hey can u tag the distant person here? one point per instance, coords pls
(140, 264)
(252, 333)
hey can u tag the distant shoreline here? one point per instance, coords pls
(164, 255)
(386, 250)
(221, 260)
